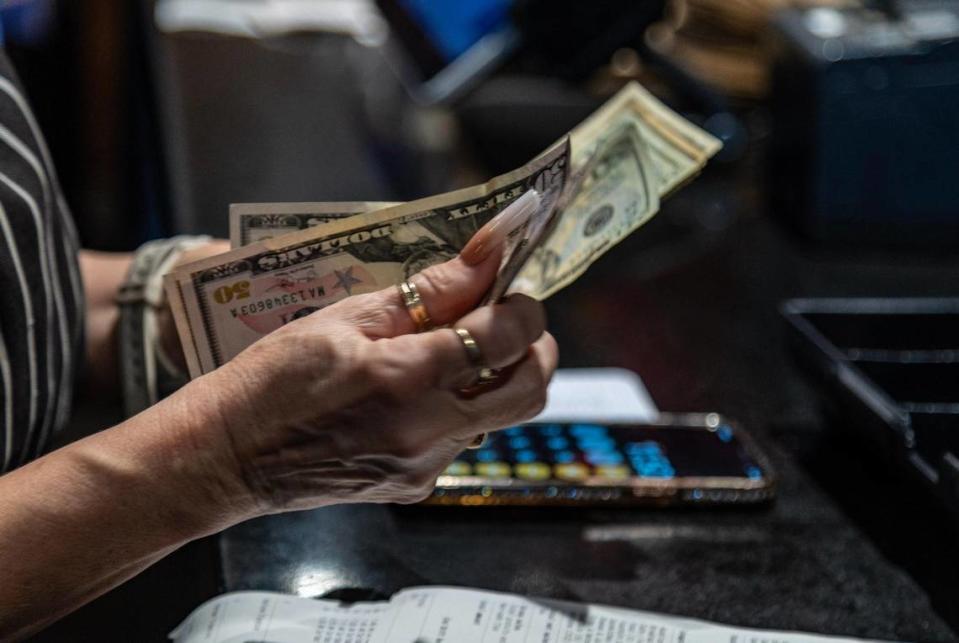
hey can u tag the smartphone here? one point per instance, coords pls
(688, 459)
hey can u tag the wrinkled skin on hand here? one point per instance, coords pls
(350, 404)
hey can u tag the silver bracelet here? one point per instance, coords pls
(147, 374)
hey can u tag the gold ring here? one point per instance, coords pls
(473, 351)
(479, 441)
(414, 305)
(484, 374)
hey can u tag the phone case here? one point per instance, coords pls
(498, 486)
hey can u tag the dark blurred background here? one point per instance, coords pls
(839, 178)
(160, 114)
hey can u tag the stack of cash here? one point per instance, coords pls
(595, 186)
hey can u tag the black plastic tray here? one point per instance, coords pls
(893, 366)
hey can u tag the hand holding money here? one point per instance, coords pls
(351, 404)
(595, 186)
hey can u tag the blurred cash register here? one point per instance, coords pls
(865, 107)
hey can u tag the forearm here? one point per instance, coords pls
(103, 274)
(83, 519)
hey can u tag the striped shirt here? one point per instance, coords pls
(41, 310)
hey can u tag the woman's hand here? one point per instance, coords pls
(350, 405)
(346, 405)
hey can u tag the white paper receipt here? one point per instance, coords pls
(597, 395)
(450, 615)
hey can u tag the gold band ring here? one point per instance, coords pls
(484, 374)
(473, 351)
(414, 305)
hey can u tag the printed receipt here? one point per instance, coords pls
(451, 615)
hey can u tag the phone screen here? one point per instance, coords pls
(580, 452)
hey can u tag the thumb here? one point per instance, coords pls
(448, 291)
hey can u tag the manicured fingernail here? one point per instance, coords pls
(481, 245)
(493, 235)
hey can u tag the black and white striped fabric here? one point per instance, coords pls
(41, 299)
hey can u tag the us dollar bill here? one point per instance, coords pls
(627, 156)
(677, 149)
(253, 222)
(616, 193)
(225, 303)
(655, 151)
(603, 184)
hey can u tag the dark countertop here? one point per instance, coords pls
(690, 303)
(695, 314)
